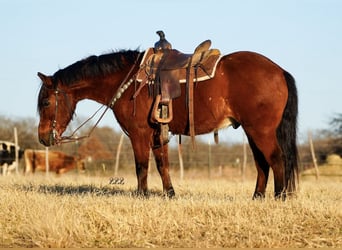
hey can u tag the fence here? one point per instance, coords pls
(206, 157)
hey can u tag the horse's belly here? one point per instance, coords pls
(225, 123)
(205, 128)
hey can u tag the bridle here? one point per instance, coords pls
(57, 139)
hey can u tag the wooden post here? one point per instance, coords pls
(47, 160)
(16, 151)
(118, 151)
(76, 153)
(209, 159)
(314, 160)
(180, 157)
(150, 160)
(244, 162)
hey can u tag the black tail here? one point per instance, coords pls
(287, 135)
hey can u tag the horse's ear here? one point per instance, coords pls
(45, 79)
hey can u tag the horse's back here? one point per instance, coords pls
(250, 61)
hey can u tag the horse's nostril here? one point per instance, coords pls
(42, 141)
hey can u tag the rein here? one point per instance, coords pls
(72, 138)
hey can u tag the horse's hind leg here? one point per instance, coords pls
(267, 144)
(262, 169)
(162, 162)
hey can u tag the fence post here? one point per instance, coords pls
(314, 160)
(47, 160)
(16, 150)
(118, 155)
(180, 157)
(209, 159)
(244, 162)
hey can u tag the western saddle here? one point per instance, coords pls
(164, 69)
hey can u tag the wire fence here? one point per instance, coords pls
(100, 152)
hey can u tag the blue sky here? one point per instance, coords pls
(304, 37)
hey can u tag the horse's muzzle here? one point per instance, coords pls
(49, 139)
(46, 143)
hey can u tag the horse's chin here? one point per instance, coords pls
(44, 142)
(50, 139)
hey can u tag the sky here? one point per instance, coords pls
(303, 37)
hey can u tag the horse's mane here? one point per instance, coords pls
(95, 66)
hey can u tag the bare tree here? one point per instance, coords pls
(336, 126)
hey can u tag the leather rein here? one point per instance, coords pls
(72, 137)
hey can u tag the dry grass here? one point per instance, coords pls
(74, 211)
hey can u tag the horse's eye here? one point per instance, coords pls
(45, 103)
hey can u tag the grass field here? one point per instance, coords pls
(84, 211)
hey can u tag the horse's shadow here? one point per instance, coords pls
(87, 190)
(82, 190)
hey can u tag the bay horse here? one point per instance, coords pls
(248, 90)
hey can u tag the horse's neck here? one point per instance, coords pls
(100, 90)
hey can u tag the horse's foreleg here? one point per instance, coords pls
(141, 151)
(162, 161)
(141, 171)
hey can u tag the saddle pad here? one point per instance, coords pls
(205, 72)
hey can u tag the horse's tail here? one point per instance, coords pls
(287, 135)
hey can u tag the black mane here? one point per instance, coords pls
(95, 66)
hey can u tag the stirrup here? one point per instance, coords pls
(162, 112)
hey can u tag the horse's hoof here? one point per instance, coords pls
(258, 196)
(280, 196)
(141, 194)
(170, 193)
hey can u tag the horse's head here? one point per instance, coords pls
(56, 107)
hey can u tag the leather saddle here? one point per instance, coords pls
(166, 69)
(163, 69)
(175, 59)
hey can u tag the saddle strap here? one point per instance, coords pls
(191, 104)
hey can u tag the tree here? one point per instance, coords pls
(27, 131)
(336, 142)
(94, 148)
(336, 124)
